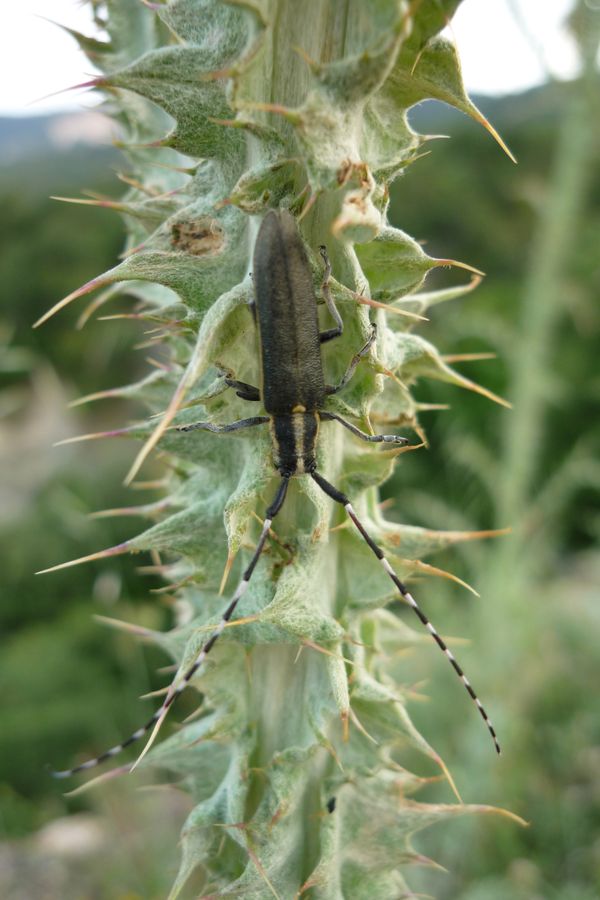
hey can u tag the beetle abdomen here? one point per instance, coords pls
(294, 439)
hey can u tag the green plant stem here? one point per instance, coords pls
(545, 302)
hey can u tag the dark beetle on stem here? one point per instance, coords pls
(292, 392)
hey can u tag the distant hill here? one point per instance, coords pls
(26, 136)
(538, 105)
(42, 154)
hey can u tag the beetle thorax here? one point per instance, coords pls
(294, 438)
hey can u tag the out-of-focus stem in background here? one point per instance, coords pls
(545, 303)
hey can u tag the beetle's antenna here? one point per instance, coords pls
(176, 690)
(340, 498)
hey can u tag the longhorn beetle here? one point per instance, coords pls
(293, 393)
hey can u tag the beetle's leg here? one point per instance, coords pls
(371, 438)
(221, 429)
(243, 390)
(339, 325)
(336, 388)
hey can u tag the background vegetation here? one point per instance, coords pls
(69, 684)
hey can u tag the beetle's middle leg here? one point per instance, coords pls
(336, 388)
(223, 429)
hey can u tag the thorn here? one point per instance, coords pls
(416, 157)
(147, 145)
(308, 205)
(167, 670)
(479, 117)
(122, 625)
(184, 170)
(358, 724)
(307, 643)
(94, 83)
(152, 737)
(367, 301)
(463, 381)
(153, 440)
(157, 364)
(117, 550)
(437, 263)
(138, 185)
(146, 510)
(117, 432)
(93, 782)
(390, 374)
(430, 407)
(139, 317)
(345, 716)
(261, 870)
(459, 536)
(433, 570)
(227, 123)
(87, 288)
(226, 571)
(155, 557)
(98, 395)
(277, 108)
(174, 586)
(398, 451)
(468, 357)
(417, 60)
(312, 64)
(151, 695)
(101, 203)
(155, 485)
(131, 251)
(503, 812)
(446, 771)
(91, 308)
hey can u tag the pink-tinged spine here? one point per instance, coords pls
(86, 288)
(117, 550)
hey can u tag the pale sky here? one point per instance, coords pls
(37, 58)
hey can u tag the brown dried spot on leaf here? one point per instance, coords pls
(199, 237)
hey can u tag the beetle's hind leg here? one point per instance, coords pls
(371, 438)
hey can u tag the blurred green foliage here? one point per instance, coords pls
(60, 671)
